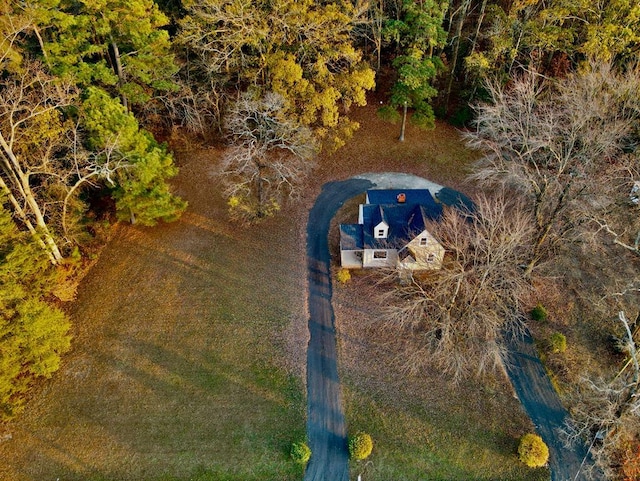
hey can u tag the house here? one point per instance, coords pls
(392, 232)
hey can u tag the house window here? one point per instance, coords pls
(431, 257)
(379, 254)
(380, 233)
(423, 241)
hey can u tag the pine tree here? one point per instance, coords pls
(33, 334)
(142, 193)
(119, 45)
(417, 35)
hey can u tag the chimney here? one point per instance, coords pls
(402, 198)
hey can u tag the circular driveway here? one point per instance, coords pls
(326, 428)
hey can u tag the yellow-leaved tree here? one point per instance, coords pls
(300, 50)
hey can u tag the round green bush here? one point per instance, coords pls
(558, 342)
(360, 446)
(532, 451)
(539, 313)
(300, 452)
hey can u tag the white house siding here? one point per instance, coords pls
(369, 259)
(351, 259)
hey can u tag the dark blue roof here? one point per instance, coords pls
(390, 196)
(405, 211)
(351, 236)
(405, 219)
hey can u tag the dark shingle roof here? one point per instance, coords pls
(351, 236)
(405, 219)
(390, 196)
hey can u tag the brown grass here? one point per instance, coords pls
(189, 350)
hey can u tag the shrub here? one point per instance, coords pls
(360, 446)
(300, 452)
(539, 313)
(532, 451)
(343, 276)
(389, 114)
(558, 342)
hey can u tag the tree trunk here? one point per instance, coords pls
(463, 14)
(119, 72)
(479, 25)
(25, 220)
(21, 182)
(545, 225)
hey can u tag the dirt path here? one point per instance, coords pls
(326, 429)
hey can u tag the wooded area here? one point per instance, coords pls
(550, 88)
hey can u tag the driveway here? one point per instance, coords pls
(326, 429)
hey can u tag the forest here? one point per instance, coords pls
(547, 90)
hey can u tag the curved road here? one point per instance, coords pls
(326, 429)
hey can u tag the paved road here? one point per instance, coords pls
(326, 428)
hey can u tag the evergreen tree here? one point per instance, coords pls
(119, 45)
(417, 34)
(33, 334)
(141, 192)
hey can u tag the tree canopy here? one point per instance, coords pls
(283, 47)
(33, 334)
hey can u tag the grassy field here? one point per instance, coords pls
(189, 352)
(176, 371)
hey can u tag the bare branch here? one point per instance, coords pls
(456, 316)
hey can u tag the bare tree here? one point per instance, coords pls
(44, 163)
(269, 157)
(31, 130)
(553, 142)
(607, 413)
(611, 217)
(455, 317)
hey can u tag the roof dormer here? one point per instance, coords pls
(381, 230)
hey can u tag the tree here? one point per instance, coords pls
(271, 154)
(371, 28)
(32, 131)
(532, 451)
(612, 216)
(46, 157)
(417, 35)
(142, 193)
(607, 413)
(455, 318)
(457, 38)
(33, 334)
(552, 143)
(536, 34)
(281, 47)
(300, 452)
(116, 44)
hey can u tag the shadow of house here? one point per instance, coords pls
(392, 232)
